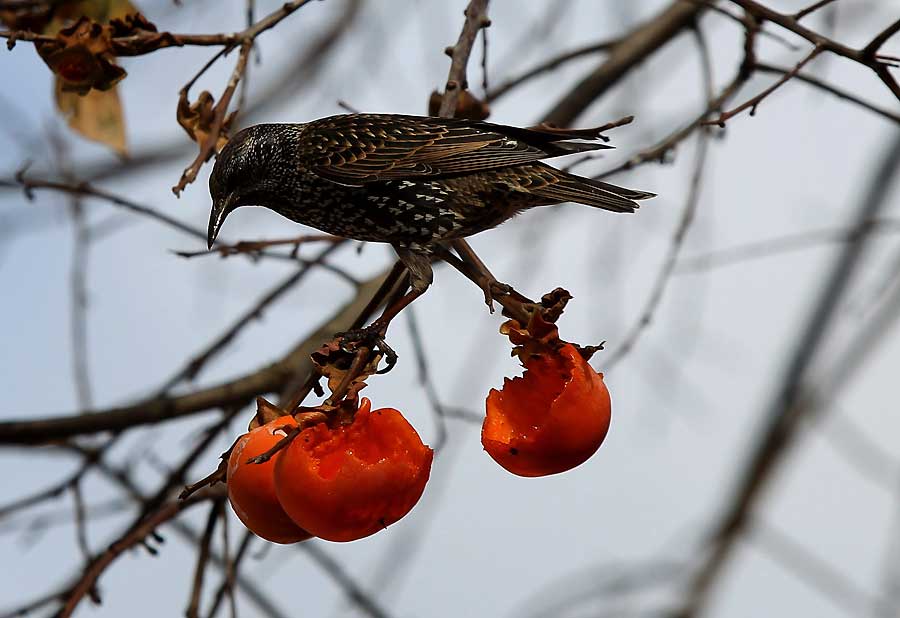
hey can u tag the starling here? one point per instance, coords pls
(414, 182)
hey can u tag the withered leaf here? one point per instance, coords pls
(28, 18)
(196, 118)
(334, 360)
(266, 411)
(130, 24)
(96, 115)
(81, 56)
(101, 11)
(467, 106)
(50, 17)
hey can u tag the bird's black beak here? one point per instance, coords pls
(220, 210)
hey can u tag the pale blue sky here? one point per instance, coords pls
(685, 402)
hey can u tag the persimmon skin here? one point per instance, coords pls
(551, 419)
(348, 482)
(251, 487)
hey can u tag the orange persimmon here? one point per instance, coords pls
(549, 420)
(251, 487)
(346, 482)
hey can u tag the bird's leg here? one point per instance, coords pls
(489, 284)
(311, 383)
(397, 273)
(417, 279)
(471, 266)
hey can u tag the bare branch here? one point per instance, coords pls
(476, 19)
(687, 217)
(359, 597)
(790, 403)
(93, 571)
(267, 379)
(215, 512)
(813, 7)
(634, 47)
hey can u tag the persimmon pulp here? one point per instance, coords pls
(549, 420)
(348, 482)
(251, 487)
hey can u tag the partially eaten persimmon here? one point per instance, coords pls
(549, 420)
(347, 482)
(251, 486)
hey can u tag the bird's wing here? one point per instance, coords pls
(355, 149)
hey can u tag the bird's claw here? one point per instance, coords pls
(493, 289)
(371, 337)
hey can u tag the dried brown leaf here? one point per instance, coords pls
(335, 359)
(96, 115)
(467, 106)
(266, 411)
(28, 18)
(82, 57)
(131, 24)
(196, 118)
(52, 16)
(98, 10)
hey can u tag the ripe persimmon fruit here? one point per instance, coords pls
(349, 481)
(549, 420)
(251, 487)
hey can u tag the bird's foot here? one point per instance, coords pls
(371, 337)
(493, 289)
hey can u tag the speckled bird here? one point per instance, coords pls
(414, 182)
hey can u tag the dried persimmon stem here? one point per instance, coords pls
(216, 476)
(286, 440)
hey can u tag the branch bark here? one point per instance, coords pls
(632, 49)
(265, 380)
(790, 404)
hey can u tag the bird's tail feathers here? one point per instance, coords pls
(590, 192)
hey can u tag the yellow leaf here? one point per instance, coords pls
(96, 116)
(118, 9)
(98, 10)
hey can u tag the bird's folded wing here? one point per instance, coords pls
(359, 148)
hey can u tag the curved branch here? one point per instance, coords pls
(159, 409)
(633, 48)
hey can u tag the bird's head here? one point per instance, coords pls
(250, 170)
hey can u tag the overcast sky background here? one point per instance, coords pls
(686, 402)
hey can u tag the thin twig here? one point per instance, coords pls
(476, 19)
(822, 85)
(212, 519)
(146, 41)
(229, 566)
(425, 381)
(866, 56)
(864, 454)
(208, 147)
(81, 521)
(195, 365)
(790, 403)
(754, 102)
(546, 66)
(359, 597)
(93, 571)
(783, 244)
(687, 217)
(227, 587)
(633, 47)
(811, 8)
(78, 322)
(813, 570)
(658, 151)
